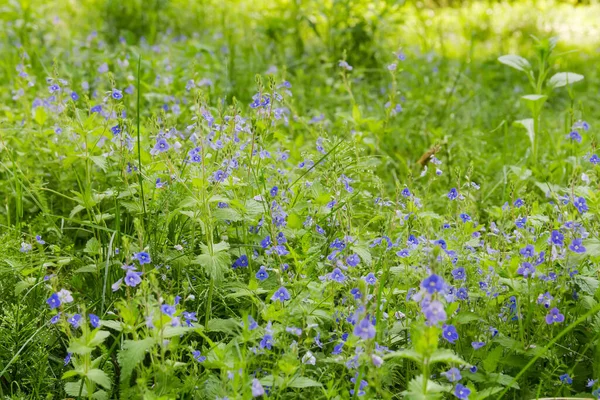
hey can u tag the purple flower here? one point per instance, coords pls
(274, 191)
(453, 375)
(370, 279)
(528, 251)
(337, 349)
(219, 176)
(74, 320)
(453, 194)
(117, 94)
(39, 239)
(94, 320)
(403, 253)
(557, 238)
(353, 260)
(449, 333)
(434, 312)
(365, 329)
(518, 203)
(262, 273)
(266, 342)
(575, 135)
(257, 389)
(477, 345)
(577, 246)
(67, 359)
(337, 275)
(580, 205)
(142, 257)
(132, 278)
(520, 222)
(594, 159)
(161, 146)
(198, 356)
(565, 379)
(281, 294)
(433, 283)
(53, 301)
(355, 292)
(462, 392)
(242, 262)
(526, 269)
(465, 217)
(554, 317)
(168, 309)
(459, 274)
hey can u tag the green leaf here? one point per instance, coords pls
(485, 393)
(446, 356)
(99, 377)
(98, 338)
(302, 382)
(99, 161)
(587, 284)
(216, 264)
(563, 78)
(92, 247)
(592, 247)
(516, 62)
(77, 346)
(528, 125)
(491, 361)
(73, 388)
(409, 354)
(171, 331)
(132, 353)
(535, 102)
(116, 325)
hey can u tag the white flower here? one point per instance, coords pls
(65, 296)
(309, 359)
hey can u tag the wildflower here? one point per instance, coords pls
(355, 292)
(462, 392)
(370, 279)
(337, 275)
(94, 320)
(266, 342)
(274, 190)
(434, 312)
(74, 96)
(39, 239)
(343, 64)
(576, 246)
(453, 375)
(198, 356)
(554, 316)
(365, 329)
(142, 257)
(252, 324)
(74, 320)
(219, 176)
(281, 294)
(575, 136)
(361, 386)
(257, 389)
(591, 382)
(580, 205)
(520, 222)
(67, 359)
(403, 253)
(432, 284)
(167, 309)
(477, 345)
(309, 358)
(449, 333)
(405, 192)
(55, 319)
(132, 278)
(594, 159)
(65, 296)
(353, 260)
(262, 273)
(519, 203)
(565, 379)
(453, 194)
(25, 247)
(337, 349)
(465, 217)
(528, 251)
(161, 146)
(459, 274)
(53, 301)
(241, 262)
(557, 238)
(117, 94)
(526, 269)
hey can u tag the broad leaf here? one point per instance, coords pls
(564, 78)
(132, 353)
(99, 377)
(516, 62)
(528, 125)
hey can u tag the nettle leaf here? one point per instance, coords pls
(564, 78)
(446, 356)
(132, 353)
(74, 388)
(409, 354)
(587, 284)
(92, 247)
(99, 377)
(216, 264)
(302, 382)
(516, 62)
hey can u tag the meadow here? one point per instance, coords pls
(341, 199)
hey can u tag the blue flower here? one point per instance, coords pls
(132, 278)
(526, 269)
(74, 320)
(257, 389)
(459, 274)
(403, 253)
(520, 222)
(405, 192)
(242, 262)
(168, 309)
(353, 260)
(39, 239)
(465, 217)
(580, 205)
(281, 295)
(266, 342)
(337, 275)
(557, 238)
(518, 203)
(528, 251)
(74, 96)
(198, 356)
(117, 94)
(55, 319)
(453, 375)
(462, 392)
(453, 194)
(67, 359)
(365, 329)
(477, 345)
(577, 246)
(355, 292)
(142, 257)
(575, 136)
(449, 333)
(94, 320)
(565, 379)
(434, 312)
(262, 273)
(554, 317)
(338, 348)
(370, 279)
(433, 283)
(53, 301)
(161, 146)
(274, 190)
(594, 159)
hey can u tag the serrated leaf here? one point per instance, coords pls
(446, 356)
(99, 377)
(564, 78)
(302, 382)
(92, 246)
(75, 389)
(409, 354)
(132, 353)
(216, 264)
(87, 268)
(99, 161)
(587, 284)
(98, 338)
(516, 62)
(493, 357)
